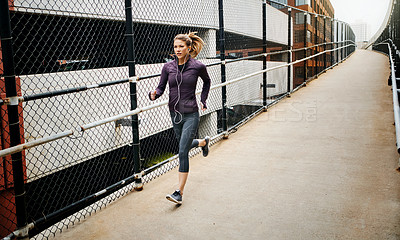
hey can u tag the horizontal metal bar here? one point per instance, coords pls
(149, 76)
(245, 58)
(300, 49)
(71, 90)
(278, 52)
(213, 64)
(34, 143)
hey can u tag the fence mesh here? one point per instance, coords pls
(71, 69)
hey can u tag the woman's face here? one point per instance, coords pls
(181, 49)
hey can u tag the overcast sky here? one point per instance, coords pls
(372, 12)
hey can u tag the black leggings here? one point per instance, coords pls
(185, 128)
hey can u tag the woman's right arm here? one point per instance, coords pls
(153, 95)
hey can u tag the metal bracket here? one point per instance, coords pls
(223, 62)
(125, 122)
(139, 175)
(12, 100)
(226, 135)
(93, 86)
(133, 79)
(138, 181)
(270, 85)
(24, 231)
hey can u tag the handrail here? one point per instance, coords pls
(396, 107)
(85, 127)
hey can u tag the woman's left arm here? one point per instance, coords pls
(206, 85)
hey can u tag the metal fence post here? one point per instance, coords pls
(289, 48)
(332, 41)
(305, 46)
(223, 67)
(337, 42)
(316, 43)
(343, 43)
(348, 40)
(324, 43)
(264, 51)
(13, 117)
(133, 95)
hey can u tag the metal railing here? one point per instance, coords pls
(71, 118)
(387, 42)
(79, 129)
(393, 53)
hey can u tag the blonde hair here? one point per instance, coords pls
(193, 41)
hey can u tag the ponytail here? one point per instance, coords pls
(197, 44)
(193, 41)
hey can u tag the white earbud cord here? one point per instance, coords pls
(179, 92)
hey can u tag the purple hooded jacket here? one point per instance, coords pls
(185, 102)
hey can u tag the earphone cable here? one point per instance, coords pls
(179, 92)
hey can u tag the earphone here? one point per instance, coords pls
(179, 92)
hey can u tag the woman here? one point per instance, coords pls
(181, 75)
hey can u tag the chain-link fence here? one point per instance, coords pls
(78, 129)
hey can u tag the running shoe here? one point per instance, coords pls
(206, 148)
(176, 197)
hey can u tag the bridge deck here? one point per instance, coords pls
(319, 165)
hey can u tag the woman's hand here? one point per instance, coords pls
(202, 107)
(153, 95)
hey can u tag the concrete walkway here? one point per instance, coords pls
(320, 165)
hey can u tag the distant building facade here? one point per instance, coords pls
(361, 30)
(309, 34)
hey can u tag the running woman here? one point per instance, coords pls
(182, 75)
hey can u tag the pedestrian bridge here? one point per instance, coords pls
(318, 165)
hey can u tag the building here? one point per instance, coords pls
(308, 31)
(362, 31)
